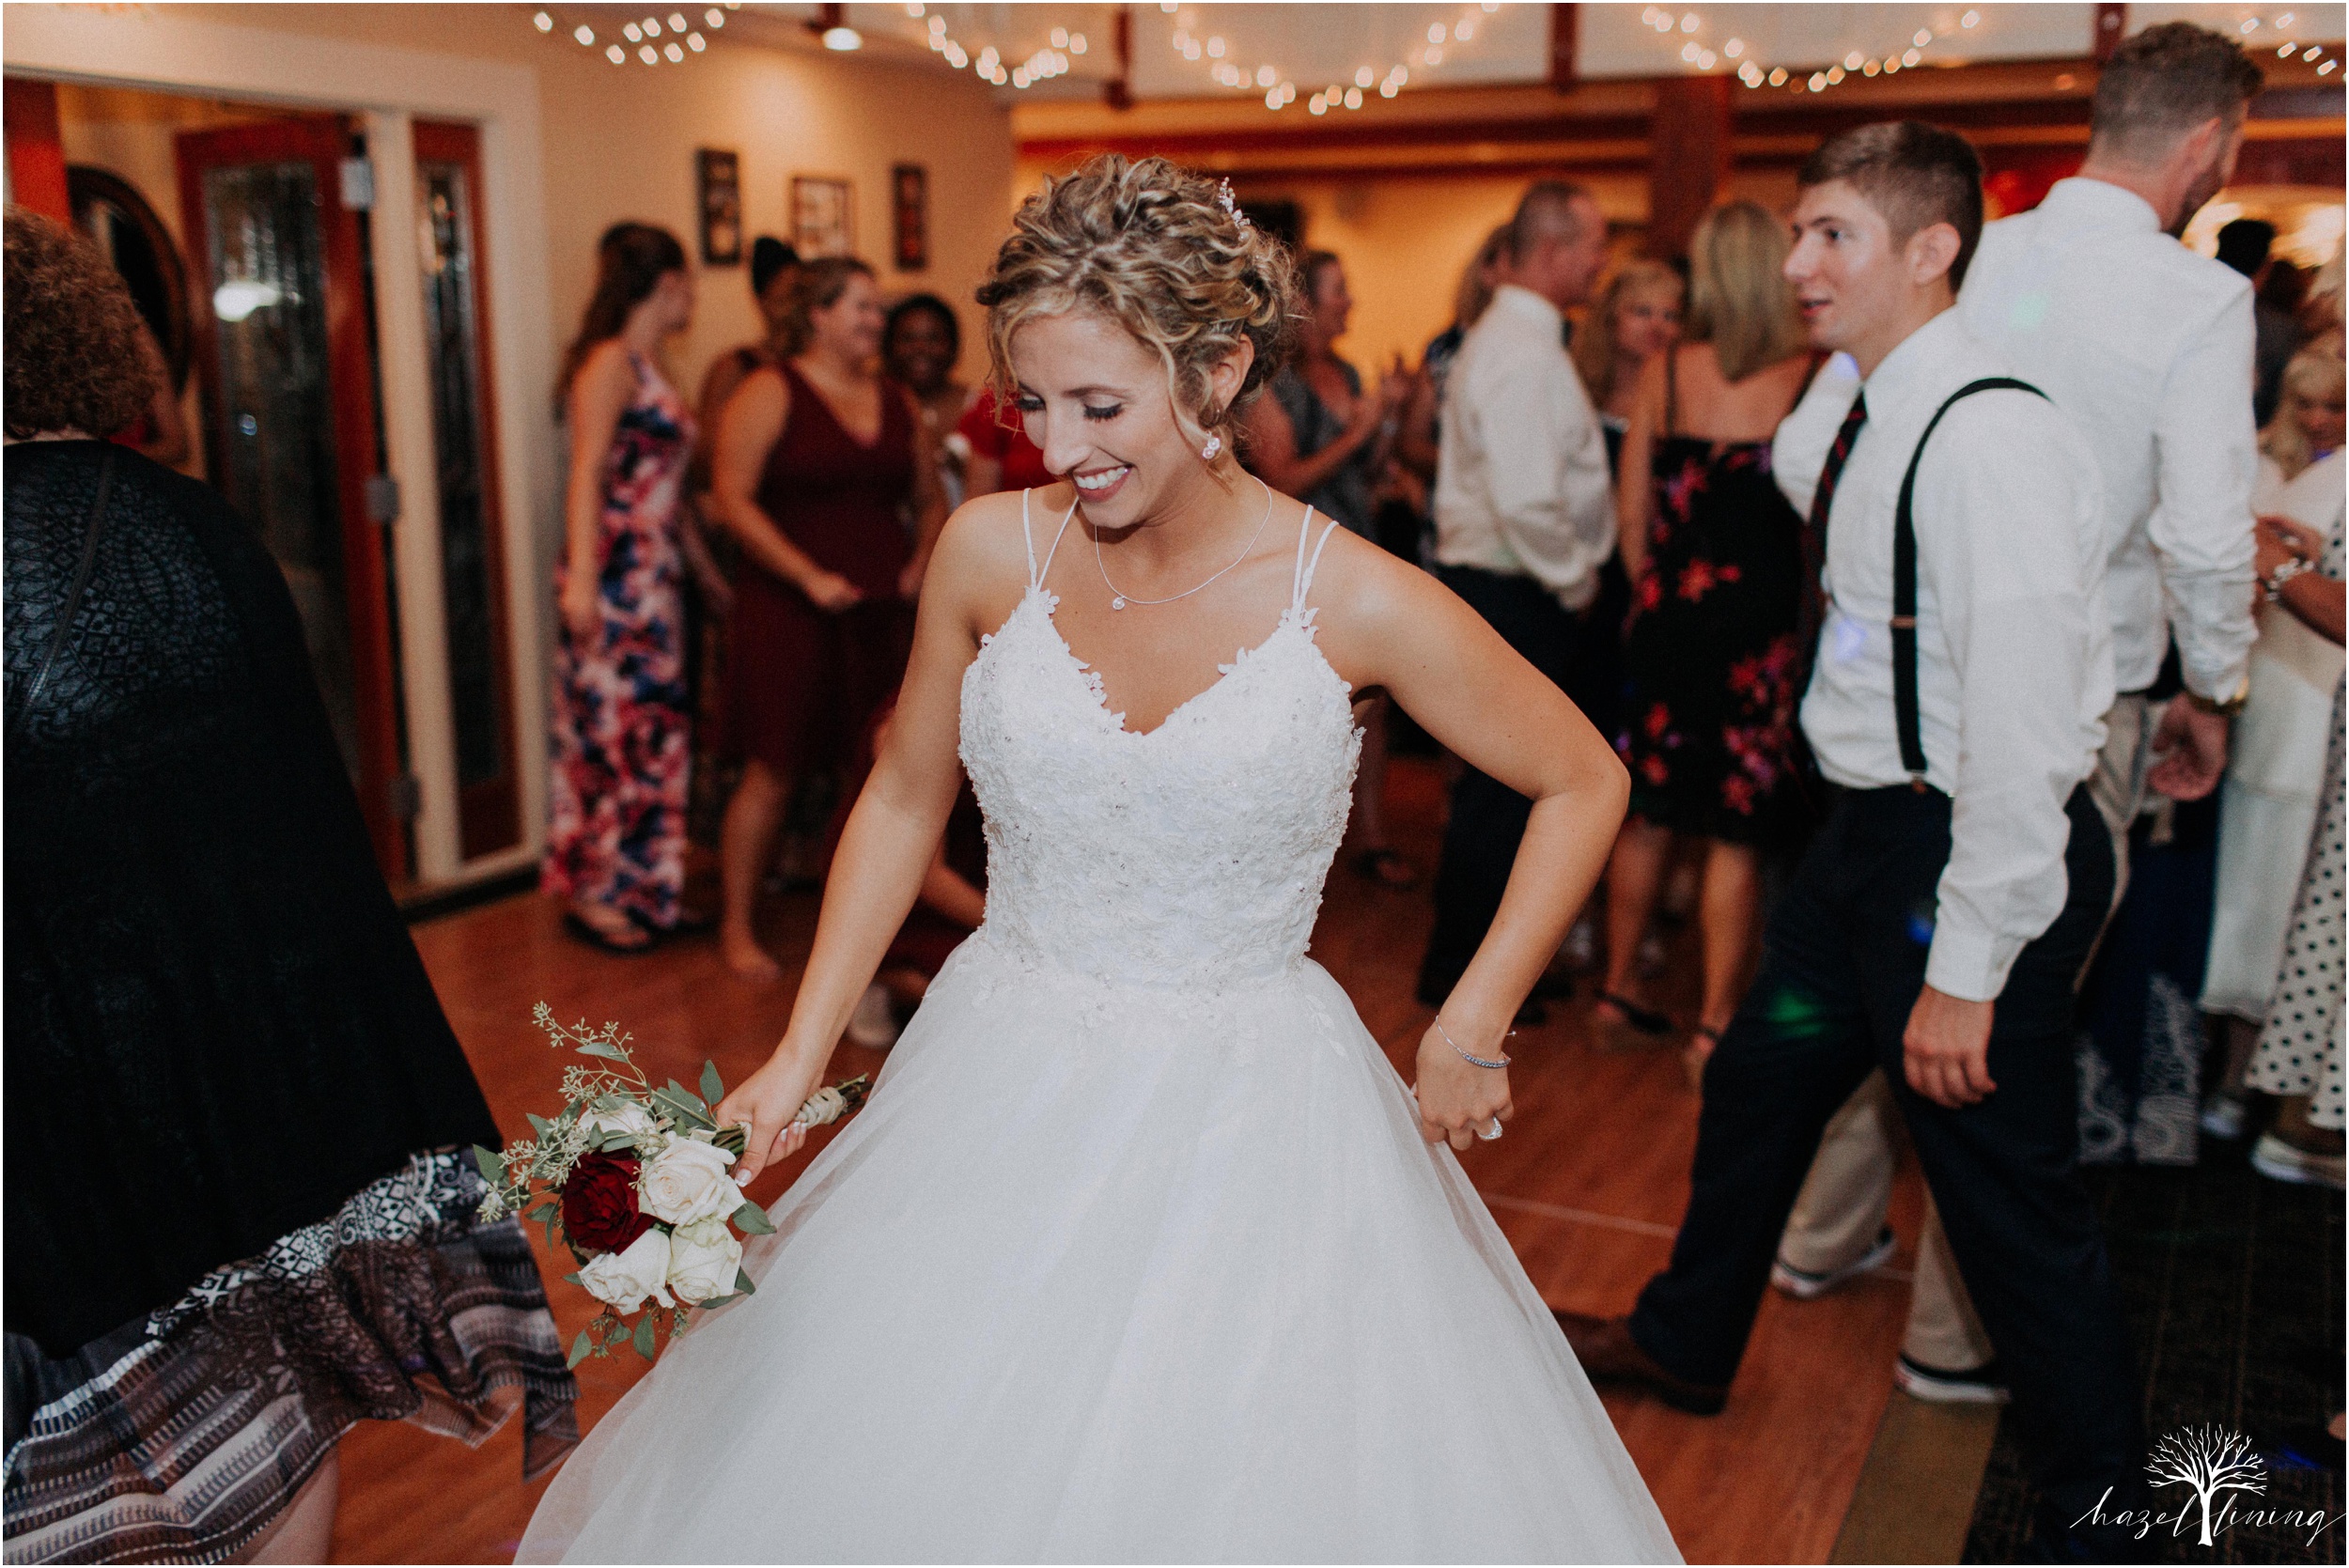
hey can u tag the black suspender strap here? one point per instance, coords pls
(1904, 582)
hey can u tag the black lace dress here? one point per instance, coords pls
(1710, 653)
(237, 1215)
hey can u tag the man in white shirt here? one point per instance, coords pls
(2149, 348)
(1937, 922)
(1524, 519)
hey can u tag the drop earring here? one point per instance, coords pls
(1215, 444)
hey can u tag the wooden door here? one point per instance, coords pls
(473, 582)
(281, 317)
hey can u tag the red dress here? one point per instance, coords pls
(1008, 444)
(803, 683)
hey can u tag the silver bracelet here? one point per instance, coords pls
(1473, 1060)
(2285, 571)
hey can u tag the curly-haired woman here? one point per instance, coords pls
(1143, 1251)
(239, 1218)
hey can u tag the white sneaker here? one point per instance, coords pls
(2223, 1117)
(874, 1024)
(2278, 1160)
(1981, 1386)
(1805, 1285)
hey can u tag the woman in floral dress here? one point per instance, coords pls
(615, 831)
(1710, 652)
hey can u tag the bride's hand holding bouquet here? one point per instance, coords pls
(767, 1106)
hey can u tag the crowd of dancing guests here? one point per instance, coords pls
(1586, 455)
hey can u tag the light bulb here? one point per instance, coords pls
(675, 55)
(544, 23)
(584, 34)
(616, 54)
(843, 39)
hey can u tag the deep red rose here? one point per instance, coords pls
(599, 1212)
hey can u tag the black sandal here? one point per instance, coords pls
(594, 936)
(1637, 1028)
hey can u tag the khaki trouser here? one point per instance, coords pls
(1840, 1209)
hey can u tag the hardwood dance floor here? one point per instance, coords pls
(1588, 1185)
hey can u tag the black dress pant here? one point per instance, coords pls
(1480, 842)
(1842, 962)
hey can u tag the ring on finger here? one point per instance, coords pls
(1488, 1134)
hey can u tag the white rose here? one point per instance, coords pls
(631, 1119)
(688, 1181)
(702, 1258)
(621, 1280)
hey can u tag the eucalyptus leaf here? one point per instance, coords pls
(490, 1163)
(539, 1124)
(752, 1220)
(713, 1087)
(597, 1047)
(743, 1285)
(686, 1095)
(579, 1347)
(643, 1336)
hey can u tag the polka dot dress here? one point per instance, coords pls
(2300, 1049)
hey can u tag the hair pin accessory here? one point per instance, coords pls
(1231, 208)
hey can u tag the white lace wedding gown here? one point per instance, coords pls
(1135, 1253)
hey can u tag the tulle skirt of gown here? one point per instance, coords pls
(1111, 1274)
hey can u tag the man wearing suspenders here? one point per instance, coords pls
(1937, 924)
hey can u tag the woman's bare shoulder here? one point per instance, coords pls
(981, 558)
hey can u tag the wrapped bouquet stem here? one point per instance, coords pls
(633, 1179)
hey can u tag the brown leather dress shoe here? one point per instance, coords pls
(1609, 1354)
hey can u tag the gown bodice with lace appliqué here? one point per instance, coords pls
(1188, 857)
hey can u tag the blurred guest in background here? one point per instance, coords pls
(2269, 804)
(774, 271)
(2246, 244)
(817, 456)
(622, 753)
(1001, 456)
(920, 343)
(269, 1232)
(1636, 318)
(1415, 440)
(1710, 653)
(1524, 518)
(949, 906)
(1320, 437)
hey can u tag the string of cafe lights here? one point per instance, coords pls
(651, 39)
(1053, 59)
(2282, 22)
(1697, 55)
(1280, 91)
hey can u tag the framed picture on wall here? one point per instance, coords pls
(720, 176)
(910, 216)
(823, 217)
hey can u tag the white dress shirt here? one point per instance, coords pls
(1523, 488)
(2014, 645)
(2148, 346)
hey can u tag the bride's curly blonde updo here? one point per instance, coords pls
(1167, 256)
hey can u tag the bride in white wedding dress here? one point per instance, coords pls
(1141, 1251)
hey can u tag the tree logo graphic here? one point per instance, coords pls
(2212, 1461)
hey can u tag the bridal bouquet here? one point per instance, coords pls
(633, 1180)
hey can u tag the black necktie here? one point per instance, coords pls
(1815, 537)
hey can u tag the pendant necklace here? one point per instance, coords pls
(1119, 601)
